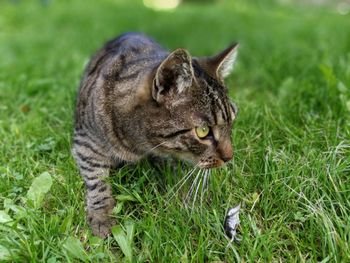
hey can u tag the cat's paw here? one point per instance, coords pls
(102, 229)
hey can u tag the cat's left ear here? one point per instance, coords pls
(173, 75)
(221, 65)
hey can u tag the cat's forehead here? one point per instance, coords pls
(215, 105)
(212, 109)
(206, 102)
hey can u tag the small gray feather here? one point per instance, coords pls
(232, 221)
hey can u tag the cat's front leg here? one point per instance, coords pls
(94, 168)
(100, 204)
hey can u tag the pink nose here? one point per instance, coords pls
(225, 152)
(226, 158)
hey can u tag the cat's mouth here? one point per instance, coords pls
(203, 163)
(212, 163)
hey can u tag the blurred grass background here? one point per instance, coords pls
(292, 136)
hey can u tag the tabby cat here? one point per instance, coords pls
(138, 100)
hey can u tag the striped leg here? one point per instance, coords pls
(94, 168)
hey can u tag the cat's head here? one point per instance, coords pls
(201, 114)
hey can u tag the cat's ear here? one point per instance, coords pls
(221, 65)
(173, 75)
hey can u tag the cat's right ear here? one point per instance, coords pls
(220, 65)
(173, 75)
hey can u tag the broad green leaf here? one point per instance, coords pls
(184, 257)
(328, 74)
(342, 88)
(66, 223)
(4, 253)
(48, 145)
(125, 198)
(118, 208)
(95, 241)
(19, 211)
(40, 186)
(348, 105)
(51, 260)
(122, 240)
(130, 231)
(75, 248)
(4, 217)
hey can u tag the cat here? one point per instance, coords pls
(137, 100)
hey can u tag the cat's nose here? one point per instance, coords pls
(225, 152)
(226, 158)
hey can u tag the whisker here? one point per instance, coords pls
(195, 195)
(189, 174)
(182, 182)
(193, 185)
(204, 185)
(208, 177)
(155, 147)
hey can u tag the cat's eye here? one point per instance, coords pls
(202, 131)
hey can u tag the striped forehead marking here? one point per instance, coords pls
(219, 108)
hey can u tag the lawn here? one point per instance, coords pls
(291, 170)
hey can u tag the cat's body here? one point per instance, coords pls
(137, 100)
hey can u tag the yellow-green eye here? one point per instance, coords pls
(202, 131)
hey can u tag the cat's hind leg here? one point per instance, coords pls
(94, 167)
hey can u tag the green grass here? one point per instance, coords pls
(292, 138)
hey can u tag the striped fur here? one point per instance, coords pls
(136, 100)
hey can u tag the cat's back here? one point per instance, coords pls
(117, 80)
(117, 73)
(133, 42)
(126, 54)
